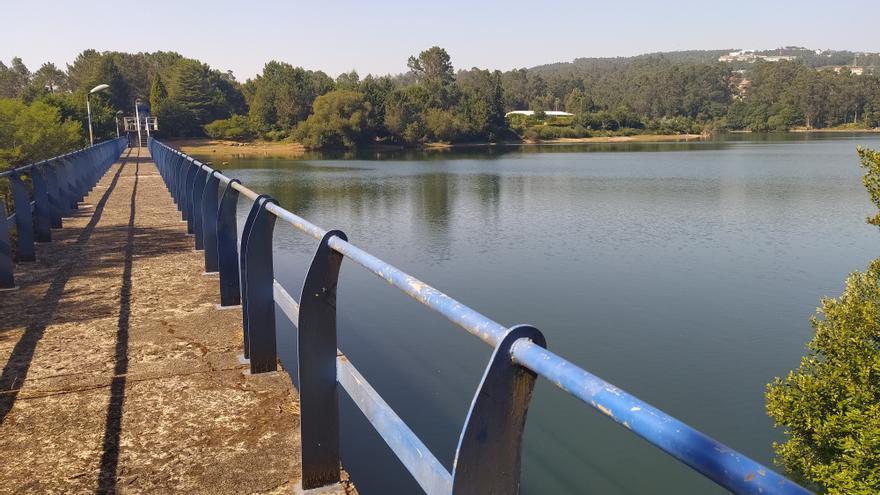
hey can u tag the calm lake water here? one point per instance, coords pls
(683, 273)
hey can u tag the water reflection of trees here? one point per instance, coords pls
(427, 202)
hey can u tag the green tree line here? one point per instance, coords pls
(668, 93)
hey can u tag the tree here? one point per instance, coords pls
(191, 89)
(521, 87)
(482, 102)
(13, 79)
(578, 102)
(376, 91)
(177, 119)
(870, 160)
(107, 72)
(444, 125)
(404, 117)
(158, 93)
(197, 92)
(830, 405)
(50, 78)
(341, 119)
(348, 81)
(282, 95)
(29, 133)
(82, 71)
(433, 66)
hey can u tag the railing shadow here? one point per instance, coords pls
(113, 424)
(17, 367)
(81, 303)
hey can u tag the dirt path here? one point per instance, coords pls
(120, 374)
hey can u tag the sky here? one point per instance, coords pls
(375, 36)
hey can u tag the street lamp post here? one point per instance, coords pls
(118, 113)
(100, 87)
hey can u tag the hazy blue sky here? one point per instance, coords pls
(376, 36)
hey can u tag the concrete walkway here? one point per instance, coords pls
(120, 375)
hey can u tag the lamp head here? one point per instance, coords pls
(100, 87)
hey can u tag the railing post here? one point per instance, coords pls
(198, 193)
(488, 458)
(243, 279)
(210, 207)
(180, 182)
(81, 173)
(7, 279)
(227, 246)
(24, 222)
(55, 200)
(69, 185)
(42, 212)
(257, 280)
(191, 170)
(316, 335)
(63, 194)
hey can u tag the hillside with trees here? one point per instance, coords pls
(660, 93)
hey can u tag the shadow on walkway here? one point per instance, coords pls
(113, 425)
(16, 369)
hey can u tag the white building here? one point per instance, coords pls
(750, 56)
(530, 113)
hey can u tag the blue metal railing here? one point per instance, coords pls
(487, 459)
(53, 191)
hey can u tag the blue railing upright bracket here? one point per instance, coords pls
(257, 281)
(316, 341)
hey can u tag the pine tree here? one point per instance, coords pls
(158, 93)
(119, 95)
(193, 90)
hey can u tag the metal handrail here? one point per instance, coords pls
(55, 188)
(519, 355)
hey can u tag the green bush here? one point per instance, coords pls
(29, 133)
(236, 128)
(830, 405)
(871, 163)
(445, 126)
(675, 125)
(560, 121)
(276, 135)
(340, 119)
(547, 132)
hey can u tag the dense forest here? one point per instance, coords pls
(665, 93)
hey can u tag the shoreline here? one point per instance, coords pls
(834, 129)
(206, 146)
(636, 138)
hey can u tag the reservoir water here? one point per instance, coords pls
(684, 273)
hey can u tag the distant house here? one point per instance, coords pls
(856, 71)
(531, 113)
(750, 56)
